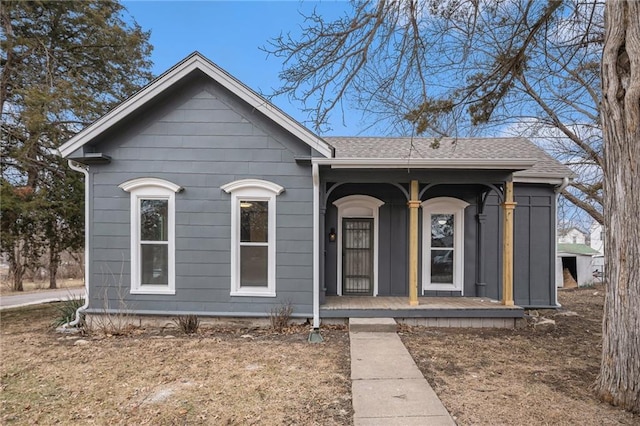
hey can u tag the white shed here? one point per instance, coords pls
(574, 265)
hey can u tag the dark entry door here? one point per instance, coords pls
(357, 256)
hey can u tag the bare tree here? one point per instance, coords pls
(459, 67)
(442, 67)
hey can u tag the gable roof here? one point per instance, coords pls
(193, 62)
(459, 150)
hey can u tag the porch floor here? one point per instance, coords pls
(428, 307)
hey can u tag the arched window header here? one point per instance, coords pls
(444, 202)
(252, 184)
(134, 184)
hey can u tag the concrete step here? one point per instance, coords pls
(376, 325)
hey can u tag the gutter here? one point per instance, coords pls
(85, 171)
(558, 190)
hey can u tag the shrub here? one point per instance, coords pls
(280, 316)
(188, 324)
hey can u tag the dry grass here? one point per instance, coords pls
(146, 378)
(36, 286)
(517, 377)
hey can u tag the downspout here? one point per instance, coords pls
(85, 171)
(316, 245)
(558, 190)
(314, 336)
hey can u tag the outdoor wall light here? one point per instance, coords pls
(332, 235)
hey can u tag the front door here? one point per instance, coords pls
(357, 256)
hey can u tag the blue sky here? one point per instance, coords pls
(230, 33)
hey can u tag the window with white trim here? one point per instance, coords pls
(253, 237)
(152, 235)
(443, 244)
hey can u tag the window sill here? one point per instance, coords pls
(154, 290)
(253, 292)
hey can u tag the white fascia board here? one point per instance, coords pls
(547, 179)
(426, 163)
(173, 75)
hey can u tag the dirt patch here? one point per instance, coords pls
(219, 376)
(524, 376)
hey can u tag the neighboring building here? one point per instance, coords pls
(596, 240)
(204, 198)
(572, 236)
(575, 264)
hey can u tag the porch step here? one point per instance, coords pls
(376, 325)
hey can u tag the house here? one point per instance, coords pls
(596, 237)
(572, 236)
(204, 198)
(575, 265)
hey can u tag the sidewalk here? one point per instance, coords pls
(36, 298)
(387, 386)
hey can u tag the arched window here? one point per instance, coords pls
(152, 235)
(443, 244)
(253, 237)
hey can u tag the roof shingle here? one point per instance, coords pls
(452, 148)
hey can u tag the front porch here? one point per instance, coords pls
(430, 311)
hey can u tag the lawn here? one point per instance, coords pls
(257, 376)
(149, 377)
(523, 376)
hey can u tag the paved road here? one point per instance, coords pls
(36, 298)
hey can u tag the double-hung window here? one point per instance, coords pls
(443, 244)
(253, 237)
(152, 235)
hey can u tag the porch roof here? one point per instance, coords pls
(529, 162)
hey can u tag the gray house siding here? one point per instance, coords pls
(200, 136)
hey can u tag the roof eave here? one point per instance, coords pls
(514, 164)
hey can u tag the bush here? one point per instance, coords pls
(188, 324)
(66, 311)
(280, 316)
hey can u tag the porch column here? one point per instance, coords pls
(414, 204)
(507, 244)
(323, 253)
(481, 286)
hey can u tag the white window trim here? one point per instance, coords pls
(446, 205)
(358, 206)
(151, 189)
(253, 190)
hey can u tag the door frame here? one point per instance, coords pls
(358, 206)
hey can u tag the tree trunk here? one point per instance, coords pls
(18, 269)
(619, 379)
(54, 261)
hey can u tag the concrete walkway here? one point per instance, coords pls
(387, 386)
(38, 297)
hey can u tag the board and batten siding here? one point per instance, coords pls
(534, 246)
(200, 136)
